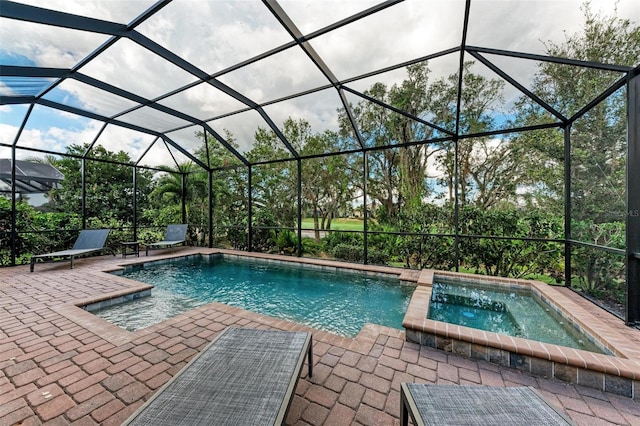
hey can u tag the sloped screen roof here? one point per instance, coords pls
(149, 77)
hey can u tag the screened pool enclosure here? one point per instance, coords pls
(495, 137)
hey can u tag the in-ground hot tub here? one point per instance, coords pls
(616, 369)
(512, 310)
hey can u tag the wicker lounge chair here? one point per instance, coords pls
(475, 405)
(89, 241)
(175, 235)
(244, 377)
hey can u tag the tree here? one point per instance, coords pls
(228, 181)
(598, 144)
(183, 181)
(412, 96)
(398, 176)
(327, 182)
(480, 160)
(274, 185)
(598, 138)
(108, 183)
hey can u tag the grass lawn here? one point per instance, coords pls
(338, 224)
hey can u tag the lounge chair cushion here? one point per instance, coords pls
(475, 405)
(89, 241)
(244, 377)
(175, 235)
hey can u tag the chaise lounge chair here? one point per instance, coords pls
(175, 235)
(475, 405)
(89, 241)
(244, 377)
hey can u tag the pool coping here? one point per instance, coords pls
(79, 310)
(617, 374)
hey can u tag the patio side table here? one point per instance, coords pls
(130, 248)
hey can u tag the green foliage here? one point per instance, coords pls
(598, 147)
(312, 247)
(237, 237)
(600, 274)
(348, 252)
(426, 252)
(377, 257)
(274, 185)
(327, 182)
(398, 176)
(349, 238)
(37, 232)
(355, 253)
(109, 186)
(286, 242)
(120, 231)
(598, 138)
(264, 237)
(510, 257)
(349, 246)
(161, 217)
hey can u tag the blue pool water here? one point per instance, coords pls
(339, 302)
(515, 313)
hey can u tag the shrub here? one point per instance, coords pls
(350, 253)
(312, 247)
(334, 239)
(286, 242)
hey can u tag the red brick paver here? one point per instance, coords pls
(59, 364)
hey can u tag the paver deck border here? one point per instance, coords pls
(62, 365)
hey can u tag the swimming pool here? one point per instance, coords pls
(515, 312)
(330, 299)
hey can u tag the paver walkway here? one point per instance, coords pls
(60, 365)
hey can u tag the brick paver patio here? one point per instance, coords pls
(61, 365)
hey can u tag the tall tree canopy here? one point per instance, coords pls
(598, 138)
(109, 183)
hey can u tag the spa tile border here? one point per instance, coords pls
(619, 374)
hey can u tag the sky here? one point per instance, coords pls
(216, 35)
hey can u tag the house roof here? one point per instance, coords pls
(31, 178)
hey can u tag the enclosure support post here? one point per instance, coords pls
(83, 201)
(14, 191)
(184, 197)
(567, 205)
(249, 212)
(135, 203)
(210, 175)
(456, 205)
(365, 216)
(632, 316)
(14, 234)
(299, 207)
